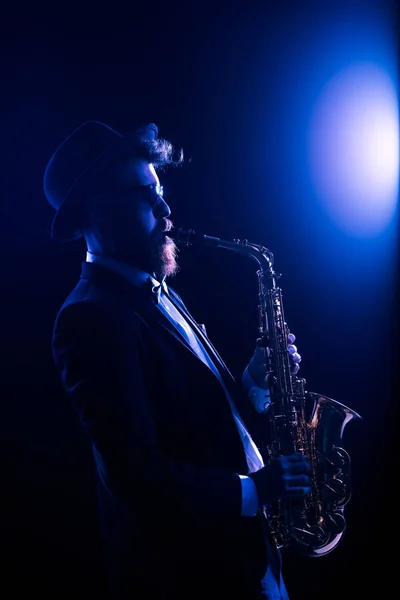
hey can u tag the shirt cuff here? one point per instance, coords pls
(249, 497)
(259, 397)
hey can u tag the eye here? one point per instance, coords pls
(156, 192)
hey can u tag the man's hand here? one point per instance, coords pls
(257, 366)
(294, 356)
(286, 477)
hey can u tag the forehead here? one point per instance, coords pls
(137, 172)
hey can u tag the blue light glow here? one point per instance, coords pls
(354, 149)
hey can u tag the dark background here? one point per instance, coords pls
(226, 81)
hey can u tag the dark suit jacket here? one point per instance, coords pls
(165, 445)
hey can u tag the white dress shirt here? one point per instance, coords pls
(256, 395)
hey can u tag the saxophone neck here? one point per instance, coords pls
(263, 256)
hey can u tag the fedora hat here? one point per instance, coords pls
(74, 160)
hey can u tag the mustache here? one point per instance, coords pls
(166, 225)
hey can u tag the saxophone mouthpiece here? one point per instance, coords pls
(189, 237)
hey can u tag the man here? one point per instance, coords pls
(180, 480)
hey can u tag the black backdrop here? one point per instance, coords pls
(190, 68)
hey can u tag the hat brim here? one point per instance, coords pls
(64, 225)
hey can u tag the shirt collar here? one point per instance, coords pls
(135, 276)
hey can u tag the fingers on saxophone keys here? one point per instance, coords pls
(299, 481)
(292, 349)
(298, 465)
(297, 485)
(295, 359)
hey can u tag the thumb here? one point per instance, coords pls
(258, 367)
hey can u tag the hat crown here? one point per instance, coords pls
(75, 155)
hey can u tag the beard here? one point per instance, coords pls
(155, 254)
(165, 255)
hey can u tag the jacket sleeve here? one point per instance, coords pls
(102, 371)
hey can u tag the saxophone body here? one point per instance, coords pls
(306, 422)
(295, 421)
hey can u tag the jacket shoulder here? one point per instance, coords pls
(87, 307)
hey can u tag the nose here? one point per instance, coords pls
(162, 210)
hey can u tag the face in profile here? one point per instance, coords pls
(135, 218)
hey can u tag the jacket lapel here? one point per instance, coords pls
(143, 300)
(201, 334)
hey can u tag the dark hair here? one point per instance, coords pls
(160, 152)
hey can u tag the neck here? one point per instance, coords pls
(119, 257)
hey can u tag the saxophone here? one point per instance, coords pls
(295, 420)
